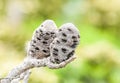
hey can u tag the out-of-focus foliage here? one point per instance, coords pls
(16, 40)
(49, 8)
(98, 55)
(104, 14)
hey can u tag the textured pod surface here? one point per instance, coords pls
(63, 46)
(38, 47)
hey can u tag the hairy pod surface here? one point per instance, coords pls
(42, 37)
(65, 43)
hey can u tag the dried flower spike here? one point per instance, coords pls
(63, 46)
(38, 47)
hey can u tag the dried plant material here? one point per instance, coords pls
(63, 46)
(38, 47)
(49, 47)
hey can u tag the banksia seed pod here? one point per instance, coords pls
(38, 47)
(63, 46)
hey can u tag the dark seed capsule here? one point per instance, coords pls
(34, 41)
(63, 60)
(64, 50)
(48, 48)
(58, 41)
(33, 45)
(55, 49)
(47, 34)
(64, 34)
(60, 29)
(64, 40)
(55, 54)
(40, 30)
(52, 33)
(36, 31)
(38, 38)
(70, 54)
(69, 29)
(47, 55)
(44, 42)
(73, 45)
(37, 48)
(32, 51)
(75, 41)
(57, 60)
(45, 51)
(74, 37)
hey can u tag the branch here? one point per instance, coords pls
(14, 75)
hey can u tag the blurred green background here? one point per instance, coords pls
(98, 55)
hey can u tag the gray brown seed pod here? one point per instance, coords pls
(63, 46)
(38, 47)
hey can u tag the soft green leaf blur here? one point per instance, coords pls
(98, 54)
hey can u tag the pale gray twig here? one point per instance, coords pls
(14, 75)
